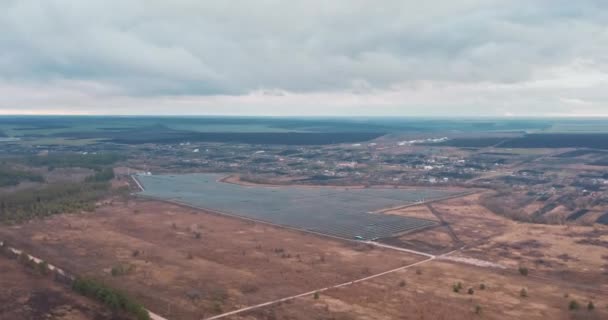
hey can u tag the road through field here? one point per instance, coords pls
(310, 293)
(429, 257)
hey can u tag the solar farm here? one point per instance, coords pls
(338, 212)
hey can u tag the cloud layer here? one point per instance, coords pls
(461, 57)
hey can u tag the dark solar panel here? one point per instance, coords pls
(338, 212)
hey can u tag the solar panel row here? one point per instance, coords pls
(339, 212)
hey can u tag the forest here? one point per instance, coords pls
(12, 177)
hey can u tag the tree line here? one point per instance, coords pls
(114, 299)
(12, 177)
(52, 199)
(95, 161)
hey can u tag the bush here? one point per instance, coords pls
(573, 305)
(482, 286)
(456, 287)
(523, 271)
(217, 307)
(470, 291)
(43, 268)
(112, 298)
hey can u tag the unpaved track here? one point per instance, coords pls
(310, 293)
(436, 213)
(153, 316)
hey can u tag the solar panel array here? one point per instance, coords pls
(339, 212)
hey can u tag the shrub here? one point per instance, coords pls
(477, 309)
(217, 307)
(316, 296)
(456, 287)
(523, 293)
(482, 286)
(590, 306)
(112, 298)
(122, 270)
(523, 271)
(470, 291)
(43, 268)
(573, 305)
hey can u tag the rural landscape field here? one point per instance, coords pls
(411, 223)
(303, 160)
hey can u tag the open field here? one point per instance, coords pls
(461, 221)
(25, 294)
(250, 248)
(339, 212)
(426, 292)
(570, 253)
(186, 265)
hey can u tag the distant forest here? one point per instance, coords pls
(12, 177)
(49, 199)
(541, 140)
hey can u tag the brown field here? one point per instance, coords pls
(426, 293)
(419, 211)
(25, 294)
(174, 272)
(186, 264)
(470, 221)
(571, 253)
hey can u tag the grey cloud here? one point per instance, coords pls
(189, 47)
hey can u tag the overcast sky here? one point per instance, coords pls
(313, 57)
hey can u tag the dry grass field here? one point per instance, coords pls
(25, 294)
(427, 293)
(188, 265)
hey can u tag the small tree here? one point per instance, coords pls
(316, 296)
(523, 293)
(43, 268)
(477, 309)
(470, 291)
(523, 271)
(23, 258)
(590, 306)
(482, 286)
(573, 305)
(456, 287)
